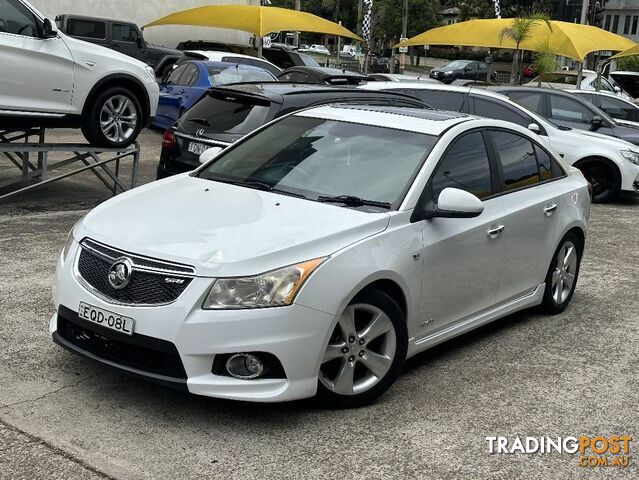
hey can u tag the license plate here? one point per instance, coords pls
(107, 319)
(197, 148)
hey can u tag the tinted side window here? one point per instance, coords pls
(189, 76)
(437, 98)
(518, 160)
(465, 166)
(568, 110)
(86, 28)
(619, 109)
(17, 19)
(174, 78)
(495, 109)
(124, 33)
(548, 167)
(529, 100)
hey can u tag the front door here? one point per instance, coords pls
(36, 73)
(126, 39)
(461, 260)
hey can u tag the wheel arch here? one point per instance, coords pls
(119, 80)
(599, 158)
(390, 288)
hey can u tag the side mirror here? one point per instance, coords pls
(617, 89)
(456, 203)
(596, 123)
(210, 154)
(140, 42)
(533, 127)
(49, 28)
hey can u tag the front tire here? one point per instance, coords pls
(365, 353)
(604, 178)
(114, 120)
(562, 275)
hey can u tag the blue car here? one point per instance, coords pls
(190, 81)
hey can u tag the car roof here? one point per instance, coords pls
(98, 19)
(241, 66)
(516, 88)
(429, 122)
(213, 54)
(325, 71)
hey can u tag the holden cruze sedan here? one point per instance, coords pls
(315, 255)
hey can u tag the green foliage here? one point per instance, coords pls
(509, 8)
(544, 60)
(630, 64)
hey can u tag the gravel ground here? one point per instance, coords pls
(62, 416)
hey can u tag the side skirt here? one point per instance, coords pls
(428, 341)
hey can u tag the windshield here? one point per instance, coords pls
(238, 74)
(316, 158)
(456, 64)
(218, 112)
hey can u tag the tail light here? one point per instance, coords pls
(169, 140)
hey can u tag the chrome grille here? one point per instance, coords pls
(153, 282)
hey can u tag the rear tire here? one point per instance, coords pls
(604, 178)
(562, 275)
(114, 119)
(365, 353)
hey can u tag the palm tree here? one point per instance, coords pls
(520, 30)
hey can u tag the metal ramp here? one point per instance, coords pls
(28, 151)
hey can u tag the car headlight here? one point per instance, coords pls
(69, 241)
(630, 156)
(448, 72)
(272, 289)
(151, 73)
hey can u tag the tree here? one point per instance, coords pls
(545, 60)
(520, 30)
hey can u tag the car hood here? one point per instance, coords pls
(610, 141)
(628, 133)
(222, 229)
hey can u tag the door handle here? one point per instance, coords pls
(494, 232)
(550, 209)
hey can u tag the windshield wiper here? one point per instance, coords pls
(352, 201)
(260, 186)
(201, 121)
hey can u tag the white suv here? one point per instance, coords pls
(51, 80)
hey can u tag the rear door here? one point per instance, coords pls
(532, 206)
(36, 74)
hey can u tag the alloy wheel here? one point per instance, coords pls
(601, 177)
(360, 352)
(565, 273)
(118, 118)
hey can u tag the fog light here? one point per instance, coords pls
(244, 366)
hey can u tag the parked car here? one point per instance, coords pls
(466, 69)
(226, 57)
(282, 56)
(300, 261)
(319, 49)
(322, 75)
(191, 80)
(567, 80)
(228, 113)
(122, 36)
(382, 64)
(609, 164)
(566, 110)
(529, 71)
(49, 79)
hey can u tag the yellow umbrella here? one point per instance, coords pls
(627, 53)
(254, 19)
(571, 40)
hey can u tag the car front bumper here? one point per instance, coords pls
(295, 335)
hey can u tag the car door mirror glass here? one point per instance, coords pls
(210, 154)
(456, 203)
(49, 28)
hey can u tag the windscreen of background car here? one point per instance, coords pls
(224, 76)
(226, 113)
(314, 157)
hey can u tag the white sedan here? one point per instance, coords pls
(316, 254)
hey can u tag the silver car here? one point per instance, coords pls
(315, 255)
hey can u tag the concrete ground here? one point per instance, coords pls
(62, 416)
